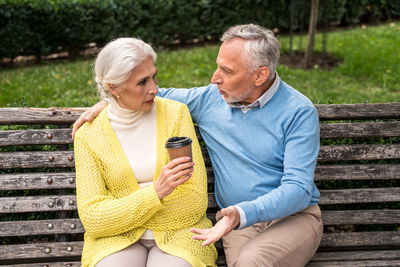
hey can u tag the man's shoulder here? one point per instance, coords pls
(293, 97)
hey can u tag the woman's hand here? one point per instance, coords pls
(175, 173)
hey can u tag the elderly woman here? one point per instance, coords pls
(136, 206)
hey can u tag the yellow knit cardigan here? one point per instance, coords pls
(115, 212)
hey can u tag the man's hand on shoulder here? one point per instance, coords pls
(229, 221)
(88, 115)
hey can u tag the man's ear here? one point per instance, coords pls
(262, 75)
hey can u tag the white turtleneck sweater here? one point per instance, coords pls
(137, 134)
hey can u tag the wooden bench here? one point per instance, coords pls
(358, 175)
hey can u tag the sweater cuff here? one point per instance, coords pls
(152, 197)
(243, 219)
(250, 211)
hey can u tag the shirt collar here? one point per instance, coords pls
(263, 99)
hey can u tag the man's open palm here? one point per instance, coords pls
(223, 227)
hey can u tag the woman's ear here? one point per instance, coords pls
(113, 89)
(261, 75)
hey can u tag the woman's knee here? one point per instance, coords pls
(133, 256)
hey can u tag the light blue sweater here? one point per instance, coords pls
(264, 159)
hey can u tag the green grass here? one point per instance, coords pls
(370, 72)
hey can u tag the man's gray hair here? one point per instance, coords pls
(116, 61)
(262, 48)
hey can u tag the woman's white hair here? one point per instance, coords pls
(262, 48)
(117, 59)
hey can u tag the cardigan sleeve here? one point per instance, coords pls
(197, 184)
(187, 204)
(101, 213)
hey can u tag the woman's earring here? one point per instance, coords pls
(118, 96)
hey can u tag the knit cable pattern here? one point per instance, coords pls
(115, 211)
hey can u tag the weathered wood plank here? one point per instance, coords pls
(46, 180)
(40, 250)
(58, 249)
(360, 130)
(20, 116)
(22, 181)
(37, 159)
(364, 195)
(36, 137)
(52, 203)
(68, 202)
(358, 111)
(346, 172)
(74, 226)
(360, 239)
(359, 152)
(326, 112)
(41, 227)
(342, 217)
(357, 172)
(358, 263)
(356, 255)
(37, 203)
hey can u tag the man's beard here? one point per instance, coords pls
(231, 99)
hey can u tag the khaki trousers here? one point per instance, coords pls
(144, 253)
(288, 242)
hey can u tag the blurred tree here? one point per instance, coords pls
(311, 33)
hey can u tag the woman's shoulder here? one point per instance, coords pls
(169, 104)
(89, 128)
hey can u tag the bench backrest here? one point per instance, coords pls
(358, 175)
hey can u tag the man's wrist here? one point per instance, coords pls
(242, 219)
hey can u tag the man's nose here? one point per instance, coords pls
(216, 78)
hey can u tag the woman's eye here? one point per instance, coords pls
(142, 82)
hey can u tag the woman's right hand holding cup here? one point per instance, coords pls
(175, 173)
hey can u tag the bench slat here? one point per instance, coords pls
(36, 137)
(41, 227)
(328, 130)
(341, 217)
(68, 202)
(20, 116)
(60, 249)
(357, 172)
(359, 152)
(360, 130)
(12, 116)
(37, 159)
(358, 263)
(74, 226)
(363, 195)
(356, 255)
(360, 239)
(23, 181)
(47, 180)
(358, 111)
(41, 250)
(347, 196)
(43, 159)
(37, 203)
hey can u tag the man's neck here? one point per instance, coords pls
(259, 91)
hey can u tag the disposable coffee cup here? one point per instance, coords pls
(179, 146)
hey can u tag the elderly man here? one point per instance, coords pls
(263, 139)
